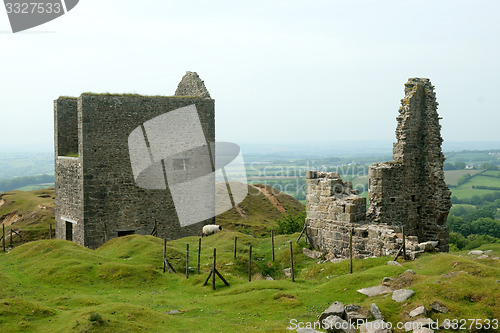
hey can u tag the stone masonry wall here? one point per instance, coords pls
(112, 200)
(334, 210)
(65, 126)
(97, 190)
(69, 198)
(411, 191)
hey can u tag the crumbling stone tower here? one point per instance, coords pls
(408, 192)
(96, 196)
(411, 191)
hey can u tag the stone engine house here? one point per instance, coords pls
(408, 192)
(96, 196)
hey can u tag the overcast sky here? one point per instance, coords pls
(280, 71)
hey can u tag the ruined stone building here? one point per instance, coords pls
(97, 192)
(408, 192)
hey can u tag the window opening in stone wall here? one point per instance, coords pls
(413, 198)
(125, 233)
(393, 199)
(69, 231)
(419, 210)
(181, 163)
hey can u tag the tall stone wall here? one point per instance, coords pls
(97, 191)
(114, 203)
(410, 191)
(69, 198)
(65, 126)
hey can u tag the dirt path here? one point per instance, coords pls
(270, 196)
(9, 219)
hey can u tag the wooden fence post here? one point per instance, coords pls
(187, 261)
(214, 269)
(11, 237)
(291, 262)
(164, 254)
(214, 272)
(250, 264)
(404, 243)
(199, 254)
(272, 242)
(235, 241)
(3, 236)
(350, 248)
(50, 231)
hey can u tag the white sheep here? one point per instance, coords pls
(210, 229)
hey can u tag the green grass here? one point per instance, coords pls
(495, 173)
(59, 286)
(260, 213)
(31, 213)
(483, 181)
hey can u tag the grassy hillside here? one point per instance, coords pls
(59, 286)
(257, 214)
(31, 212)
(28, 212)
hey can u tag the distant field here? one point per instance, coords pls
(480, 180)
(452, 176)
(467, 193)
(495, 173)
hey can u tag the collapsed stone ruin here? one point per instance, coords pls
(408, 192)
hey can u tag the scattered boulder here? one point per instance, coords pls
(484, 256)
(375, 291)
(336, 309)
(408, 271)
(436, 307)
(377, 314)
(394, 263)
(402, 295)
(377, 326)
(354, 314)
(386, 281)
(287, 272)
(352, 307)
(313, 254)
(418, 311)
(475, 253)
(428, 246)
(269, 278)
(335, 324)
(412, 255)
